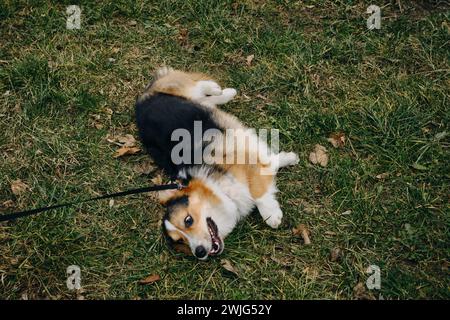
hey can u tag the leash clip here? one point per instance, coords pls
(180, 185)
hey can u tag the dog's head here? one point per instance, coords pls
(193, 218)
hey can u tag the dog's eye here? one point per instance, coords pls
(188, 221)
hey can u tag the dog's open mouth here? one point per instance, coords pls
(217, 244)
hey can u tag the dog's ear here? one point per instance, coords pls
(165, 195)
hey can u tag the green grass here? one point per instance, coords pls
(319, 70)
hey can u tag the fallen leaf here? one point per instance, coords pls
(337, 139)
(360, 292)
(126, 151)
(109, 112)
(302, 231)
(249, 59)
(319, 155)
(150, 279)
(144, 167)
(157, 179)
(127, 140)
(18, 187)
(8, 204)
(335, 254)
(226, 264)
(382, 176)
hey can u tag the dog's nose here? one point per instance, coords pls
(200, 252)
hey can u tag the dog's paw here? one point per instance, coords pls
(210, 88)
(229, 93)
(163, 71)
(291, 158)
(274, 220)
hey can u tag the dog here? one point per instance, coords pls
(217, 193)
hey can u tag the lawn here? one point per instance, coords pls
(383, 198)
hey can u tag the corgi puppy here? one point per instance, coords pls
(220, 187)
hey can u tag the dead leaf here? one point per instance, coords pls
(319, 155)
(126, 151)
(127, 140)
(226, 264)
(150, 279)
(360, 292)
(109, 112)
(335, 254)
(382, 176)
(8, 204)
(337, 139)
(302, 231)
(249, 59)
(18, 187)
(157, 179)
(144, 167)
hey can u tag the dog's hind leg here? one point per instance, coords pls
(284, 159)
(214, 100)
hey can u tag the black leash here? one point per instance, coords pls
(16, 215)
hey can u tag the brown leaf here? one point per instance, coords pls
(127, 140)
(319, 155)
(226, 264)
(7, 204)
(150, 279)
(126, 151)
(18, 187)
(337, 139)
(382, 176)
(249, 59)
(144, 167)
(157, 179)
(302, 231)
(360, 292)
(335, 254)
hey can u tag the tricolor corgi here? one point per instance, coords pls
(224, 184)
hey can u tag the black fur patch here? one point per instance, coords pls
(183, 201)
(158, 116)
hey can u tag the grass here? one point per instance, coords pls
(317, 70)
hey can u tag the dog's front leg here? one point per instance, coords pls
(269, 208)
